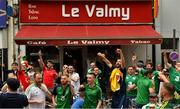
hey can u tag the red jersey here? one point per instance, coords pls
(49, 75)
(23, 78)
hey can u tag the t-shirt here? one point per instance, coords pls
(175, 78)
(24, 79)
(143, 85)
(63, 96)
(48, 77)
(131, 79)
(78, 103)
(13, 100)
(92, 96)
(35, 93)
(76, 85)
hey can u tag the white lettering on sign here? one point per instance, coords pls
(140, 41)
(88, 42)
(106, 11)
(74, 12)
(36, 42)
(72, 42)
(92, 42)
(33, 12)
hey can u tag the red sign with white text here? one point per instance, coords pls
(86, 12)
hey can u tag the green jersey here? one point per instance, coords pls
(92, 96)
(156, 81)
(143, 85)
(131, 79)
(63, 96)
(174, 78)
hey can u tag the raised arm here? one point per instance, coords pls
(40, 60)
(166, 60)
(102, 56)
(134, 61)
(120, 53)
(19, 61)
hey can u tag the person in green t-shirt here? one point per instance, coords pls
(131, 90)
(156, 77)
(174, 73)
(92, 66)
(63, 93)
(144, 88)
(167, 94)
(93, 93)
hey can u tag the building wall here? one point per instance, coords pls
(3, 38)
(143, 52)
(168, 19)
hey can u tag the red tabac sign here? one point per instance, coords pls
(127, 12)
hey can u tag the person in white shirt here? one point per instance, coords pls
(36, 93)
(74, 78)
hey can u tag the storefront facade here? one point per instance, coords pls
(73, 32)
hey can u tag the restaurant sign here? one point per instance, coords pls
(84, 42)
(86, 12)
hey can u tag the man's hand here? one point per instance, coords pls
(40, 53)
(101, 55)
(54, 104)
(134, 57)
(118, 51)
(20, 55)
(40, 101)
(81, 86)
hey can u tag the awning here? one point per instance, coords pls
(87, 35)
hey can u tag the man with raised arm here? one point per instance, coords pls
(117, 79)
(49, 74)
(174, 73)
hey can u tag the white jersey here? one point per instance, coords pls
(35, 93)
(75, 84)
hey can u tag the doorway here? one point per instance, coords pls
(73, 56)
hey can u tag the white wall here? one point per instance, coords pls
(3, 38)
(168, 19)
(143, 52)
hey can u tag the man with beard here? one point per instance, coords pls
(117, 79)
(49, 74)
(36, 93)
(63, 93)
(93, 93)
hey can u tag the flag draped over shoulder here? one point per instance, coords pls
(115, 78)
